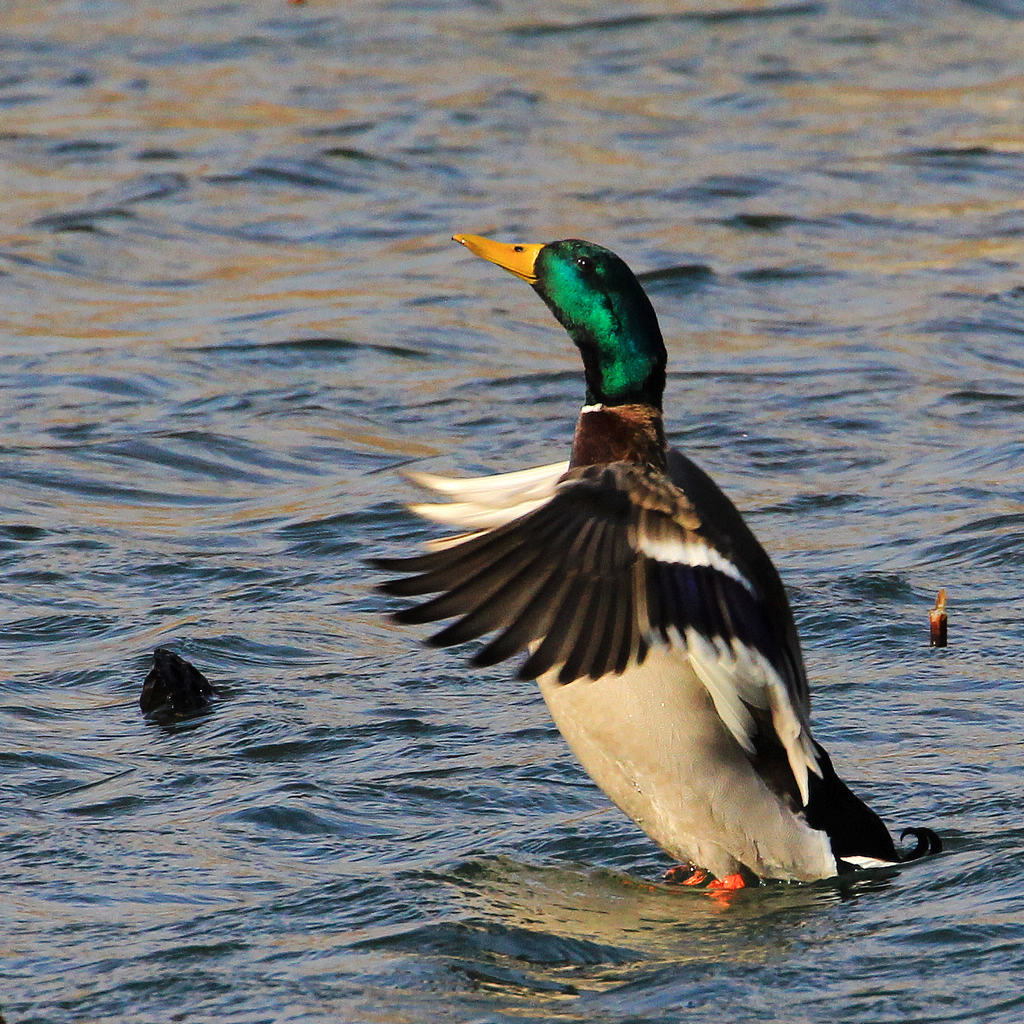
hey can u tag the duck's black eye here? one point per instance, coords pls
(585, 263)
(517, 248)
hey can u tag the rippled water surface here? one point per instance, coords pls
(230, 314)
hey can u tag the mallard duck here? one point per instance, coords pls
(654, 622)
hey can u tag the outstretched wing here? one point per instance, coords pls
(589, 569)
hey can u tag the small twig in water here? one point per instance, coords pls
(937, 621)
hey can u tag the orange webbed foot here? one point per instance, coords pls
(728, 884)
(686, 874)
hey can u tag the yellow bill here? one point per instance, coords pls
(514, 257)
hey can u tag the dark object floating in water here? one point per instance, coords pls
(175, 685)
(937, 621)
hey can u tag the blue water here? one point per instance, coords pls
(230, 315)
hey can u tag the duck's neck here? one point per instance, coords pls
(619, 433)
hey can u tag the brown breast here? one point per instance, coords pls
(619, 433)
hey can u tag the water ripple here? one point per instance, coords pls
(233, 315)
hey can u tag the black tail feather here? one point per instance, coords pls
(926, 842)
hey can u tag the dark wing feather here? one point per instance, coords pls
(765, 619)
(534, 621)
(615, 560)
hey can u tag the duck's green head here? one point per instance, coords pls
(599, 301)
